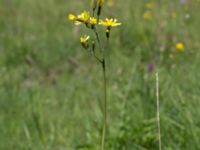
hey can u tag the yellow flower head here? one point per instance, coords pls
(84, 39)
(72, 17)
(147, 15)
(100, 2)
(150, 5)
(180, 46)
(84, 16)
(93, 21)
(109, 22)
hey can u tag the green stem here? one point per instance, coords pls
(105, 106)
(103, 64)
(98, 39)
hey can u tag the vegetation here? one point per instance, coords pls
(50, 88)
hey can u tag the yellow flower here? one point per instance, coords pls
(110, 3)
(101, 2)
(93, 21)
(109, 22)
(72, 17)
(84, 16)
(84, 39)
(180, 46)
(147, 15)
(150, 5)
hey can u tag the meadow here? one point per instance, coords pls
(51, 88)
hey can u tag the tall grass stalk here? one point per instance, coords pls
(158, 110)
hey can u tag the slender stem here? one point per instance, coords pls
(105, 99)
(98, 39)
(158, 111)
(105, 106)
(95, 56)
(93, 11)
(103, 64)
(97, 18)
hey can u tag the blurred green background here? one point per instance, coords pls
(51, 88)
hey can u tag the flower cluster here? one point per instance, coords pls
(85, 18)
(91, 21)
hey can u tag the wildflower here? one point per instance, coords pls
(180, 46)
(150, 68)
(93, 21)
(72, 17)
(150, 5)
(83, 17)
(109, 23)
(84, 41)
(147, 15)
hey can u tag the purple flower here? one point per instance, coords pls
(150, 68)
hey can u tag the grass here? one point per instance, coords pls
(50, 87)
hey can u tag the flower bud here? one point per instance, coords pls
(100, 4)
(108, 33)
(94, 4)
(93, 45)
